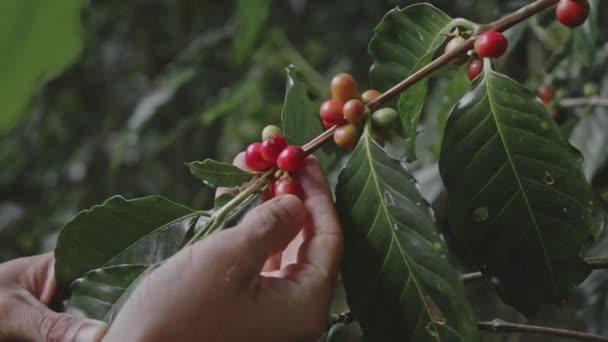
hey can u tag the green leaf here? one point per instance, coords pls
(300, 116)
(101, 293)
(251, 17)
(140, 231)
(405, 41)
(396, 274)
(590, 136)
(216, 174)
(447, 91)
(38, 38)
(518, 199)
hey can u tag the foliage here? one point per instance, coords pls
(40, 38)
(179, 82)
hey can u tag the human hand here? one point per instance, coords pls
(27, 287)
(270, 278)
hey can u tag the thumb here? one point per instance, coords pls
(268, 229)
(32, 321)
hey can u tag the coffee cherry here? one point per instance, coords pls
(272, 147)
(572, 13)
(270, 130)
(370, 95)
(267, 194)
(454, 44)
(331, 111)
(291, 158)
(254, 159)
(344, 88)
(384, 117)
(287, 186)
(491, 44)
(354, 111)
(475, 68)
(347, 136)
(546, 93)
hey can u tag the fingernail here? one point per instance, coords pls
(92, 332)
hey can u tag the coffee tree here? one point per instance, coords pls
(520, 207)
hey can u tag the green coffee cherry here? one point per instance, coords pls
(270, 130)
(590, 89)
(338, 333)
(384, 117)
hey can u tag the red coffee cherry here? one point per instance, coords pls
(475, 68)
(370, 95)
(572, 13)
(291, 158)
(454, 44)
(354, 111)
(254, 159)
(344, 88)
(287, 186)
(546, 93)
(267, 194)
(347, 136)
(491, 44)
(331, 111)
(272, 147)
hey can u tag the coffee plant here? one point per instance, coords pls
(521, 207)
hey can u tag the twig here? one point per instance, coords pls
(499, 326)
(594, 264)
(499, 25)
(317, 142)
(584, 101)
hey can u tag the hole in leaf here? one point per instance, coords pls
(549, 180)
(388, 198)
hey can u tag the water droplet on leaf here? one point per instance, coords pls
(549, 180)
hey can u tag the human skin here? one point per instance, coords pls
(27, 287)
(270, 278)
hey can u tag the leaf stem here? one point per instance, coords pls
(218, 217)
(594, 264)
(499, 326)
(501, 24)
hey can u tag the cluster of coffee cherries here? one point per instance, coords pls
(490, 44)
(346, 109)
(272, 152)
(571, 13)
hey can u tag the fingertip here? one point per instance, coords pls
(294, 206)
(239, 161)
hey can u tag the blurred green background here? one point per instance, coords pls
(112, 97)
